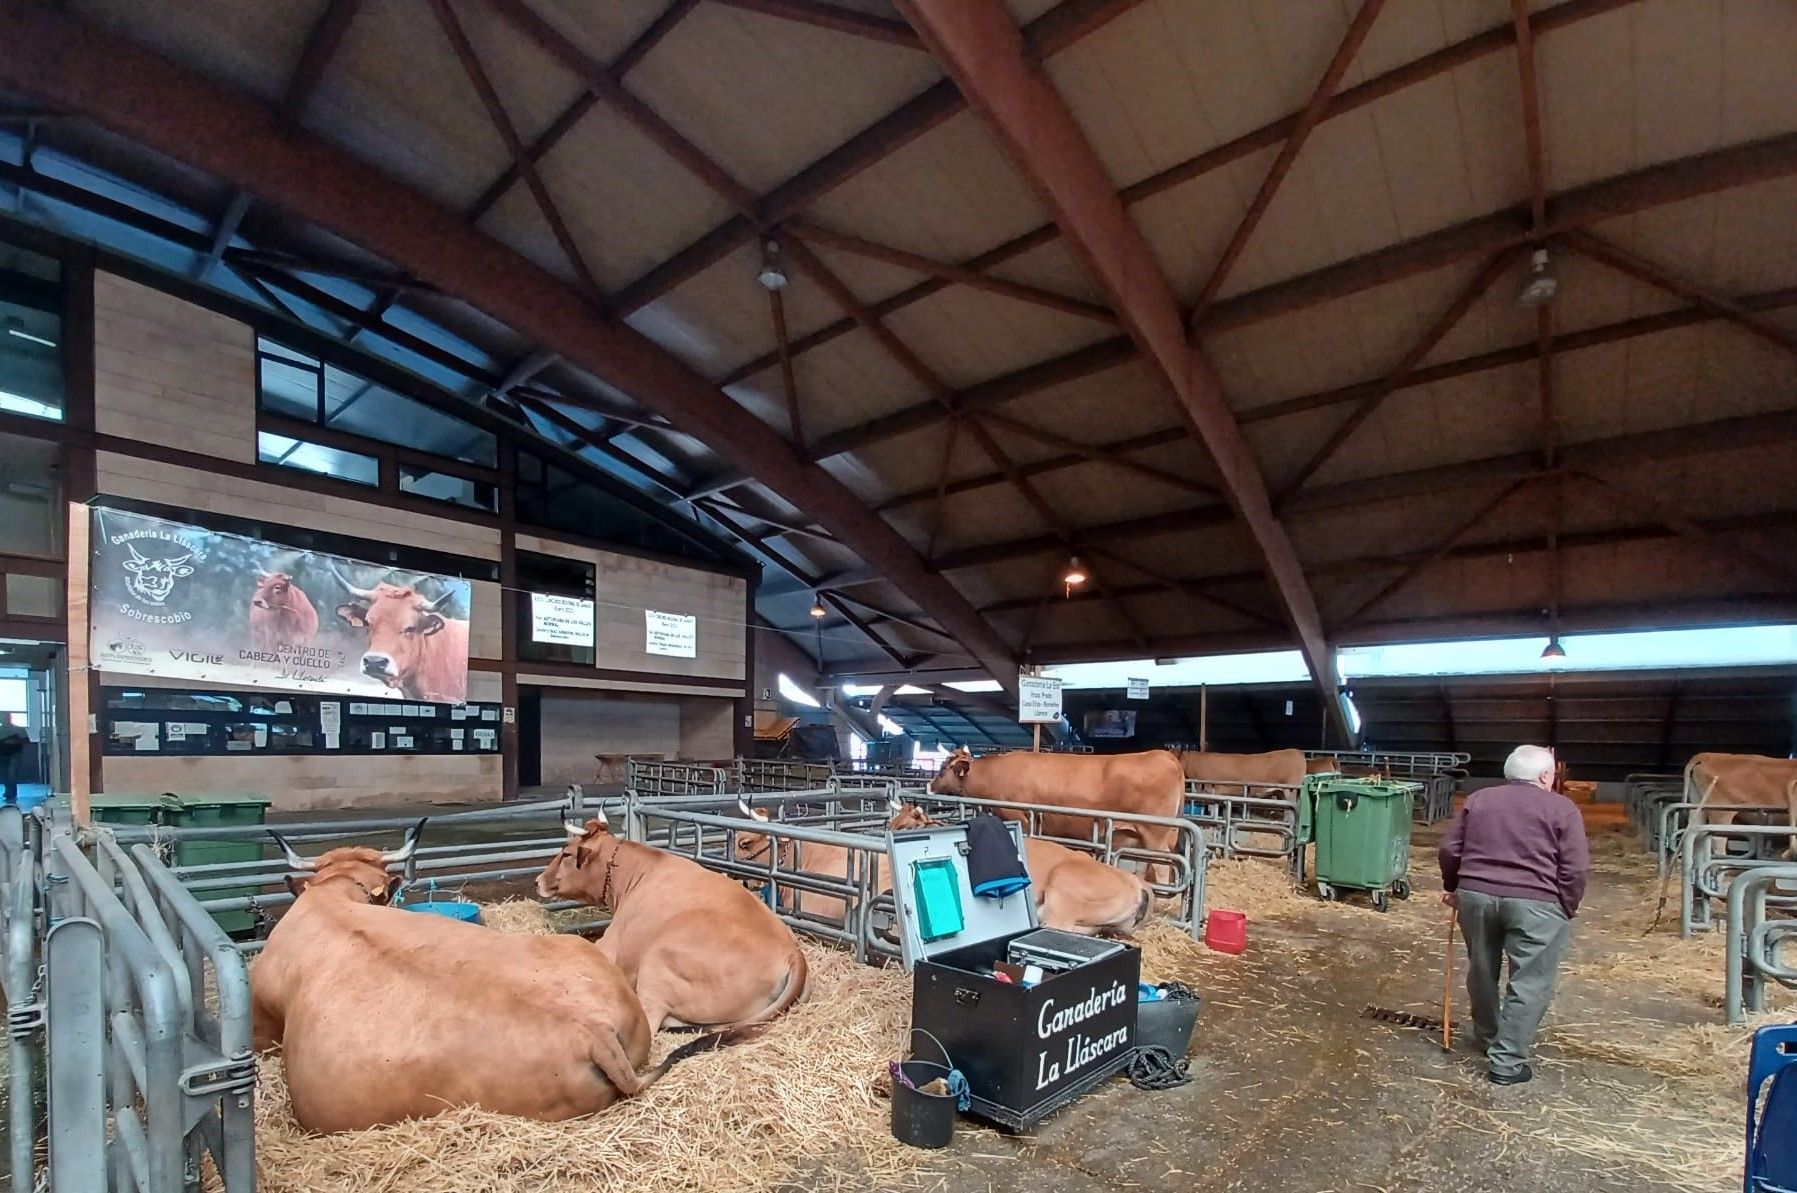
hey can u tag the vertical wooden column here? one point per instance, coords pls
(1204, 716)
(83, 756)
(508, 616)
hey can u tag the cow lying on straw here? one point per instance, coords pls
(384, 1014)
(700, 950)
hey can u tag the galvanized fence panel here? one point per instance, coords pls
(1248, 819)
(1712, 856)
(1760, 949)
(1439, 772)
(21, 933)
(655, 779)
(759, 774)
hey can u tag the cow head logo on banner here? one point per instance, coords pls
(151, 578)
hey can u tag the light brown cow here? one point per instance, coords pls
(411, 646)
(1753, 780)
(1146, 784)
(384, 1014)
(1284, 767)
(700, 950)
(1074, 891)
(1322, 766)
(810, 857)
(281, 615)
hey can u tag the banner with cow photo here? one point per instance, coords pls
(182, 602)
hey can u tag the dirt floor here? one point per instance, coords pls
(1293, 1090)
(1637, 1083)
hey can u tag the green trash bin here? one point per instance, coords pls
(1363, 837)
(209, 810)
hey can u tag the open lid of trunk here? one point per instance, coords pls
(937, 909)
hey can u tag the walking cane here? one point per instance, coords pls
(1447, 989)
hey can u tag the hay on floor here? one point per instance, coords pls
(735, 1121)
(1256, 887)
(524, 916)
(1714, 1051)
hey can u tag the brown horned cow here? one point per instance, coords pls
(281, 615)
(411, 646)
(1285, 768)
(700, 950)
(384, 1014)
(1148, 783)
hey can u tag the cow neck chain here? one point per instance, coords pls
(774, 843)
(611, 864)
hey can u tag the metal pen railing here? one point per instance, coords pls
(1248, 819)
(1706, 873)
(1756, 942)
(21, 924)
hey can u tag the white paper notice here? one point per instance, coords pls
(561, 620)
(330, 739)
(177, 731)
(1138, 689)
(284, 706)
(673, 634)
(261, 735)
(455, 735)
(427, 710)
(408, 710)
(483, 739)
(377, 740)
(358, 710)
(489, 714)
(458, 713)
(330, 718)
(456, 744)
(1038, 700)
(403, 742)
(138, 733)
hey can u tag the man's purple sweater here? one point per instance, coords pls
(1518, 841)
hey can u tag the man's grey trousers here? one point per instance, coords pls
(1533, 934)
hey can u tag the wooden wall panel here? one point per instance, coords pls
(577, 725)
(486, 632)
(188, 488)
(172, 373)
(626, 586)
(298, 783)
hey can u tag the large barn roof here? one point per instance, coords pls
(995, 250)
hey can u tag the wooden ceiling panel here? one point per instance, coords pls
(251, 46)
(1115, 404)
(415, 115)
(1097, 493)
(602, 31)
(1188, 226)
(988, 516)
(968, 336)
(1052, 267)
(1759, 90)
(764, 97)
(1424, 157)
(949, 194)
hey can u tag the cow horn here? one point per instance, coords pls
(742, 805)
(574, 830)
(364, 593)
(294, 860)
(434, 606)
(599, 815)
(406, 850)
(894, 805)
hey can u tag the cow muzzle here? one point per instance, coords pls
(380, 666)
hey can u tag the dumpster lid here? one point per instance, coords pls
(212, 799)
(118, 800)
(982, 918)
(1373, 788)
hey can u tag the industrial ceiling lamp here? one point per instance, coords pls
(773, 268)
(1541, 285)
(817, 607)
(1553, 650)
(1074, 576)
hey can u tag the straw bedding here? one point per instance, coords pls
(742, 1119)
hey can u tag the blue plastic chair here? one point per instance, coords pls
(1772, 1130)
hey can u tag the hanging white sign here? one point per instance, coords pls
(1138, 689)
(561, 620)
(673, 634)
(1038, 700)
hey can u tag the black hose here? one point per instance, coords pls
(1154, 1068)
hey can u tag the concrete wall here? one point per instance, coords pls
(577, 724)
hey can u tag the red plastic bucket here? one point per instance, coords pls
(1226, 931)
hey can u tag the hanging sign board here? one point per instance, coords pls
(1038, 700)
(1138, 689)
(673, 634)
(182, 602)
(561, 620)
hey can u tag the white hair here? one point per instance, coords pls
(1528, 763)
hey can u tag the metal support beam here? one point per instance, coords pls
(321, 47)
(1453, 539)
(984, 53)
(833, 17)
(75, 65)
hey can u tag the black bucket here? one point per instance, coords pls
(920, 1119)
(1167, 1023)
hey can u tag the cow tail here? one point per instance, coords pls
(798, 976)
(709, 1042)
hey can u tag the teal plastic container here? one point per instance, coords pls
(211, 810)
(468, 913)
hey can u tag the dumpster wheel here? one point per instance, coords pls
(1401, 888)
(1379, 901)
(1325, 892)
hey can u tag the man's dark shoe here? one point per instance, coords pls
(1521, 1075)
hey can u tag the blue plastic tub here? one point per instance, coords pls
(468, 913)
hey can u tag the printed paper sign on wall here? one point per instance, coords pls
(673, 634)
(1138, 689)
(182, 602)
(561, 620)
(1038, 700)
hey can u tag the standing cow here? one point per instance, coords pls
(384, 1014)
(1285, 768)
(412, 647)
(1716, 781)
(281, 615)
(1146, 784)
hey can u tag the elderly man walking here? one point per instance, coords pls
(1514, 863)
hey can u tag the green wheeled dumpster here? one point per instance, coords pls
(1363, 837)
(208, 810)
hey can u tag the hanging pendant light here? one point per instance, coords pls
(1553, 651)
(1074, 576)
(1540, 286)
(817, 607)
(772, 274)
